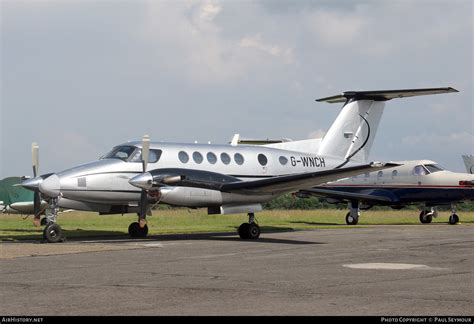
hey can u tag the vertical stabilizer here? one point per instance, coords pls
(352, 134)
(469, 163)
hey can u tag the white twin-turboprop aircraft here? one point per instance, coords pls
(226, 179)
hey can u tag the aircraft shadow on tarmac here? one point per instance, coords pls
(121, 237)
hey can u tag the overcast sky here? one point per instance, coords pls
(79, 77)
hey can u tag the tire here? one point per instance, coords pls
(53, 233)
(453, 219)
(43, 221)
(424, 219)
(244, 231)
(254, 231)
(351, 220)
(134, 230)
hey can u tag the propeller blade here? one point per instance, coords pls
(36, 207)
(143, 208)
(145, 151)
(35, 158)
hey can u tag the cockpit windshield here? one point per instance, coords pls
(433, 168)
(132, 154)
(120, 152)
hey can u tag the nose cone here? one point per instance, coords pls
(142, 181)
(50, 186)
(32, 184)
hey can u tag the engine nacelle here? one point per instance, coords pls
(201, 197)
(190, 197)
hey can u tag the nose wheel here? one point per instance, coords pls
(53, 233)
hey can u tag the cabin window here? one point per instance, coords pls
(197, 157)
(225, 158)
(211, 158)
(183, 157)
(238, 158)
(419, 170)
(394, 173)
(379, 174)
(366, 175)
(262, 159)
(283, 160)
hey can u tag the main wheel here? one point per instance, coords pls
(453, 219)
(134, 230)
(254, 231)
(350, 220)
(244, 232)
(53, 233)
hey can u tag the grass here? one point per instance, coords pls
(177, 221)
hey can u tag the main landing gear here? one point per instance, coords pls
(250, 230)
(352, 217)
(454, 218)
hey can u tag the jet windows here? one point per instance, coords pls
(432, 168)
(379, 174)
(283, 160)
(197, 157)
(394, 174)
(262, 159)
(225, 158)
(420, 170)
(211, 158)
(120, 152)
(238, 158)
(183, 157)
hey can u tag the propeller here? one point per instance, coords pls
(144, 193)
(36, 196)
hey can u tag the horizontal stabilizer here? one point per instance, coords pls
(384, 95)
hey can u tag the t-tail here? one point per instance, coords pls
(352, 134)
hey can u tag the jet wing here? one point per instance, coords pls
(300, 181)
(345, 195)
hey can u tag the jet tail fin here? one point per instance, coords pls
(469, 163)
(351, 136)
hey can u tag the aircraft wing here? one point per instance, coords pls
(300, 181)
(346, 195)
